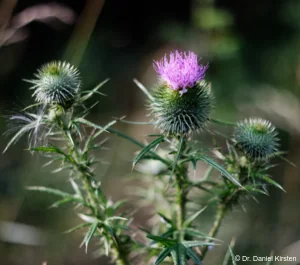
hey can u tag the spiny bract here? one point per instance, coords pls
(56, 83)
(177, 114)
(257, 138)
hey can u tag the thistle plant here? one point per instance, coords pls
(181, 106)
(57, 121)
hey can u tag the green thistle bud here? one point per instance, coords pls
(257, 138)
(55, 112)
(180, 114)
(57, 83)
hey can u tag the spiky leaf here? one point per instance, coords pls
(192, 255)
(191, 244)
(166, 252)
(179, 254)
(75, 228)
(189, 220)
(166, 219)
(148, 148)
(272, 182)
(89, 235)
(218, 167)
(50, 190)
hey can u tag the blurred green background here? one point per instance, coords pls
(253, 50)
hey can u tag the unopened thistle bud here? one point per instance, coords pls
(182, 102)
(257, 138)
(56, 83)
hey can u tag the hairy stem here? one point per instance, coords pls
(221, 211)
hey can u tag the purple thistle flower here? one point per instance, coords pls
(181, 71)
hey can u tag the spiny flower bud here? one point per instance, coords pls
(182, 102)
(257, 138)
(55, 112)
(56, 83)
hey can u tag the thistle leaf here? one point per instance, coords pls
(106, 245)
(76, 188)
(192, 255)
(48, 149)
(124, 136)
(166, 219)
(272, 182)
(94, 91)
(119, 204)
(250, 188)
(191, 244)
(169, 232)
(32, 105)
(76, 228)
(136, 122)
(53, 149)
(166, 252)
(113, 218)
(147, 149)
(224, 123)
(179, 254)
(143, 88)
(89, 236)
(165, 241)
(189, 220)
(64, 201)
(50, 190)
(86, 122)
(195, 233)
(88, 218)
(109, 229)
(222, 170)
(103, 130)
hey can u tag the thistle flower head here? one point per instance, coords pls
(181, 71)
(56, 83)
(257, 138)
(180, 115)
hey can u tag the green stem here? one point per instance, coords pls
(221, 211)
(87, 186)
(122, 259)
(180, 195)
(86, 177)
(181, 203)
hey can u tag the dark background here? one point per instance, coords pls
(252, 48)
